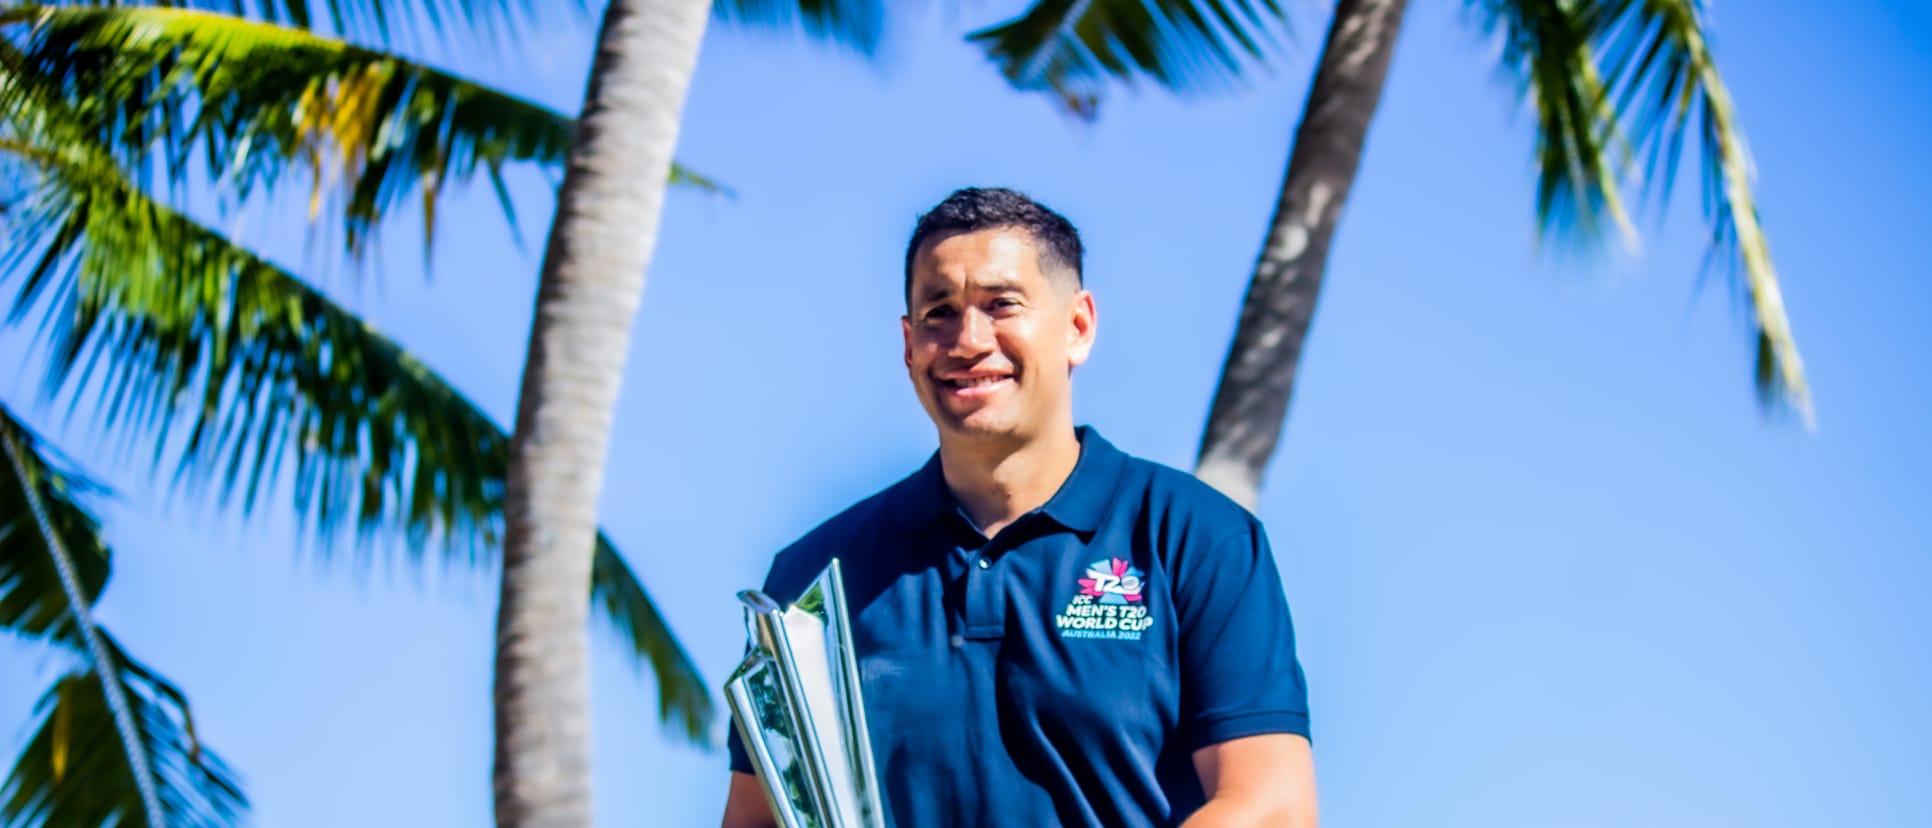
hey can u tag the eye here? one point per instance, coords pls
(939, 312)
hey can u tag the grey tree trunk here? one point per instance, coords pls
(592, 281)
(1244, 425)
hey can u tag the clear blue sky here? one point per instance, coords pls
(1548, 563)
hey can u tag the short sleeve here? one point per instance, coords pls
(1239, 673)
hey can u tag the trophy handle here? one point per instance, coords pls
(854, 711)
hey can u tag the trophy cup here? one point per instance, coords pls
(796, 702)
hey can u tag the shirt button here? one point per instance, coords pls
(958, 641)
(984, 563)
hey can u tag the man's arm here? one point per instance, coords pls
(745, 805)
(1266, 780)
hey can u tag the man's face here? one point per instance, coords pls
(991, 340)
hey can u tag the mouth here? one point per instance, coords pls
(975, 387)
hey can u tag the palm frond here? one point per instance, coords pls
(183, 321)
(1640, 73)
(1661, 64)
(73, 774)
(32, 600)
(24, 460)
(853, 23)
(1546, 44)
(1072, 47)
(683, 698)
(490, 23)
(178, 321)
(257, 101)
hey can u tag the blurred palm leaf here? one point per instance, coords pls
(1620, 80)
(32, 602)
(178, 320)
(86, 766)
(856, 24)
(1547, 45)
(1613, 81)
(73, 772)
(1663, 79)
(481, 22)
(368, 128)
(1071, 47)
(682, 697)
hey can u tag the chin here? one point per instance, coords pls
(979, 427)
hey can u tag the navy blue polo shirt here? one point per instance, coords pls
(1065, 670)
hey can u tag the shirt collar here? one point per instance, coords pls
(1080, 504)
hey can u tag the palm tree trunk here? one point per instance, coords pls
(1251, 402)
(593, 279)
(104, 665)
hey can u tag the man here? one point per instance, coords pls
(1049, 631)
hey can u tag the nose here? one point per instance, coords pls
(974, 336)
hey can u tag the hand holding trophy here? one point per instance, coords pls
(797, 706)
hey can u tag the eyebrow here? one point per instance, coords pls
(947, 292)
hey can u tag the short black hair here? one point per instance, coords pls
(973, 209)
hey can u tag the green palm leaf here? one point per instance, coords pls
(258, 101)
(853, 23)
(491, 22)
(32, 601)
(73, 773)
(1619, 80)
(1613, 81)
(178, 320)
(682, 697)
(1071, 47)
(1546, 43)
(116, 743)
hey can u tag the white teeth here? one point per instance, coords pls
(973, 382)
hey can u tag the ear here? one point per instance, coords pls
(1085, 320)
(905, 333)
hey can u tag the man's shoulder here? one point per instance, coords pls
(1175, 495)
(856, 528)
(1198, 535)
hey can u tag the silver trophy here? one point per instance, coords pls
(796, 703)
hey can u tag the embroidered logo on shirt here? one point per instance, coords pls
(1108, 605)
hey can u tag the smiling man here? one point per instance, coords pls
(1050, 631)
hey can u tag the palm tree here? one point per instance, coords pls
(172, 328)
(1612, 80)
(591, 285)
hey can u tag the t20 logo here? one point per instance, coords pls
(1113, 581)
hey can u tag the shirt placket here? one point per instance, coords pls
(985, 615)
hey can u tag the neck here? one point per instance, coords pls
(998, 483)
